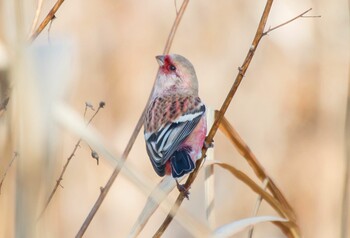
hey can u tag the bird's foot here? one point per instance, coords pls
(182, 189)
(208, 145)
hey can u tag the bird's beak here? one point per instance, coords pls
(160, 60)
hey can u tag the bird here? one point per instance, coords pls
(175, 119)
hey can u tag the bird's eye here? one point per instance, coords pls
(172, 67)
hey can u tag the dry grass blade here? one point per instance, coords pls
(209, 179)
(225, 105)
(257, 206)
(232, 228)
(136, 131)
(289, 228)
(166, 185)
(36, 17)
(258, 169)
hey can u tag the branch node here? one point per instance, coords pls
(240, 71)
(95, 155)
(252, 48)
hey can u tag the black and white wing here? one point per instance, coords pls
(167, 139)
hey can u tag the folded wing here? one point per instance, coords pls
(162, 143)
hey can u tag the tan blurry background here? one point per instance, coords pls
(290, 107)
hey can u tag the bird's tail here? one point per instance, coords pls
(181, 163)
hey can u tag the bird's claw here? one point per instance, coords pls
(182, 189)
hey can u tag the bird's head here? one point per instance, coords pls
(176, 75)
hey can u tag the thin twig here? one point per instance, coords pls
(289, 21)
(344, 226)
(36, 17)
(174, 27)
(48, 18)
(105, 189)
(60, 178)
(8, 167)
(101, 105)
(214, 128)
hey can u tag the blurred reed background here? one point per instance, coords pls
(290, 108)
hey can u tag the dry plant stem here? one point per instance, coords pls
(258, 169)
(36, 17)
(283, 207)
(8, 167)
(50, 16)
(179, 15)
(344, 229)
(289, 228)
(135, 133)
(214, 128)
(60, 178)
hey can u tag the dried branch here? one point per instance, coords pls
(77, 145)
(135, 133)
(242, 70)
(8, 167)
(302, 15)
(36, 17)
(50, 16)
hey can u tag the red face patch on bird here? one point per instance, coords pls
(168, 66)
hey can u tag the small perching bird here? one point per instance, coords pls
(175, 121)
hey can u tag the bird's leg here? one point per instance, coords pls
(182, 189)
(208, 145)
